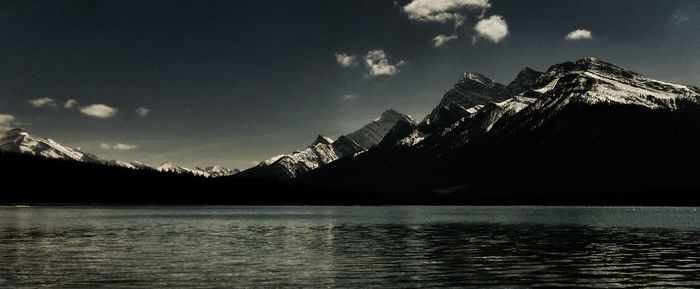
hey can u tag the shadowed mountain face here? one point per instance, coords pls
(584, 132)
(581, 127)
(324, 150)
(470, 92)
(373, 133)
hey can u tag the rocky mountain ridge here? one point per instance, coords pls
(20, 141)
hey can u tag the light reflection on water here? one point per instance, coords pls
(348, 247)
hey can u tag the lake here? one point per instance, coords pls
(349, 247)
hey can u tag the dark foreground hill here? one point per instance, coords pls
(34, 179)
(599, 155)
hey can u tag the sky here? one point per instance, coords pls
(233, 83)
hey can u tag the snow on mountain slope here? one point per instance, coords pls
(324, 150)
(140, 166)
(169, 167)
(218, 171)
(581, 126)
(18, 140)
(587, 81)
(210, 171)
(466, 98)
(317, 154)
(590, 80)
(471, 91)
(120, 164)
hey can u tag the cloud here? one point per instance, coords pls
(6, 121)
(70, 103)
(378, 64)
(99, 111)
(44, 101)
(345, 60)
(442, 11)
(681, 16)
(142, 111)
(119, 147)
(579, 34)
(349, 96)
(441, 40)
(493, 28)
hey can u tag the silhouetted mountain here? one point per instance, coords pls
(34, 179)
(583, 132)
(373, 133)
(324, 150)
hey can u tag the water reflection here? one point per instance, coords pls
(344, 247)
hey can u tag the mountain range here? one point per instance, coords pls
(20, 141)
(582, 132)
(324, 150)
(579, 129)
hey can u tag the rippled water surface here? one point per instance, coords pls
(353, 247)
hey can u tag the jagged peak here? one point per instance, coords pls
(525, 79)
(389, 113)
(589, 59)
(583, 65)
(320, 139)
(527, 71)
(347, 145)
(475, 77)
(591, 64)
(16, 131)
(209, 168)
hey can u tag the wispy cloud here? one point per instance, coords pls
(681, 16)
(493, 28)
(442, 40)
(579, 34)
(118, 146)
(99, 111)
(349, 96)
(378, 63)
(442, 11)
(44, 101)
(6, 121)
(70, 103)
(142, 111)
(345, 60)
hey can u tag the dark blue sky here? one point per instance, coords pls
(234, 82)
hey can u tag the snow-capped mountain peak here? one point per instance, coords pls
(473, 89)
(18, 140)
(324, 150)
(590, 80)
(218, 171)
(475, 77)
(172, 168)
(210, 171)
